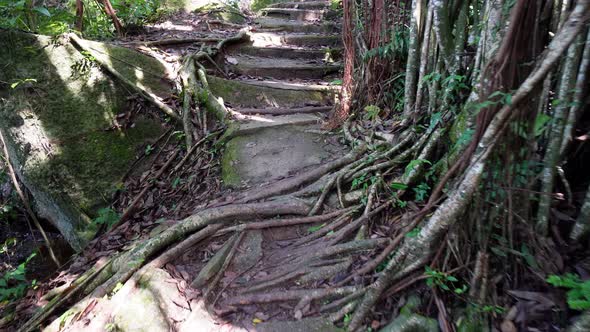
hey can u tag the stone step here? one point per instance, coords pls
(275, 111)
(249, 124)
(300, 14)
(273, 152)
(251, 93)
(301, 4)
(281, 24)
(269, 39)
(289, 53)
(281, 68)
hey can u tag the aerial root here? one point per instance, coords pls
(343, 301)
(290, 184)
(287, 222)
(335, 224)
(291, 295)
(102, 280)
(235, 243)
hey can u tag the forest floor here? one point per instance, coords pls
(266, 278)
(274, 214)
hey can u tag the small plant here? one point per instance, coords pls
(16, 84)
(443, 281)
(13, 283)
(414, 232)
(347, 319)
(578, 296)
(421, 191)
(372, 112)
(5, 247)
(315, 228)
(107, 216)
(415, 163)
(148, 149)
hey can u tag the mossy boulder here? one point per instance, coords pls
(58, 115)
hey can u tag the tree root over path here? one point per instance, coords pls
(306, 267)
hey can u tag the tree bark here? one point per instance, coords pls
(79, 16)
(108, 8)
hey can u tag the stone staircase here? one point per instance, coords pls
(280, 93)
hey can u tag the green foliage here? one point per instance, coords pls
(398, 186)
(315, 228)
(7, 212)
(60, 18)
(13, 283)
(372, 112)
(421, 191)
(82, 67)
(397, 48)
(335, 4)
(414, 232)
(494, 99)
(415, 163)
(336, 82)
(443, 281)
(10, 242)
(148, 149)
(541, 124)
(578, 296)
(107, 216)
(17, 83)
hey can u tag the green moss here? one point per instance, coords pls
(64, 128)
(257, 5)
(459, 126)
(229, 174)
(248, 95)
(145, 71)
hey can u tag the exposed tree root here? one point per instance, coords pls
(291, 295)
(173, 41)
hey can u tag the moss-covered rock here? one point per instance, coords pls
(58, 118)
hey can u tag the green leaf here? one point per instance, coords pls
(176, 182)
(398, 186)
(498, 251)
(316, 228)
(414, 232)
(42, 11)
(414, 163)
(541, 124)
(451, 278)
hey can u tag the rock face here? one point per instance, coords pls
(58, 115)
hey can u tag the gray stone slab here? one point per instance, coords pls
(269, 154)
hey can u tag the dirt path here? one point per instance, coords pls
(278, 87)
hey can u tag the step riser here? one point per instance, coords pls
(304, 28)
(269, 40)
(245, 95)
(288, 53)
(281, 73)
(301, 5)
(305, 15)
